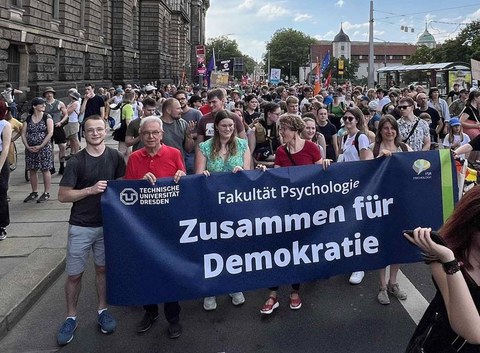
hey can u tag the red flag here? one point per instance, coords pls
(329, 78)
(316, 88)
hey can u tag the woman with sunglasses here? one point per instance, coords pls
(355, 147)
(294, 152)
(413, 131)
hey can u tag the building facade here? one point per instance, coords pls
(65, 43)
(386, 53)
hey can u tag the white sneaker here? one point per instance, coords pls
(356, 277)
(209, 303)
(237, 298)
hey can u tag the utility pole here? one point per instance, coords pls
(371, 69)
(268, 66)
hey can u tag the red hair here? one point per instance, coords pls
(464, 223)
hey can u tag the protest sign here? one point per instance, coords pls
(234, 232)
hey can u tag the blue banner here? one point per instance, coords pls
(235, 232)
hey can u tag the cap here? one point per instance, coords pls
(454, 121)
(75, 95)
(48, 89)
(463, 90)
(118, 90)
(149, 88)
(365, 98)
(38, 101)
(373, 105)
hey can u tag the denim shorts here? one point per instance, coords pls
(80, 241)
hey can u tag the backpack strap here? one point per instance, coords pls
(404, 147)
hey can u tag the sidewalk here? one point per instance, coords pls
(33, 255)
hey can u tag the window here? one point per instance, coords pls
(13, 65)
(16, 3)
(55, 9)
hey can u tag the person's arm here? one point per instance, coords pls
(63, 109)
(130, 140)
(200, 163)
(188, 141)
(469, 124)
(462, 313)
(426, 142)
(84, 104)
(69, 194)
(366, 154)
(6, 139)
(102, 112)
(467, 148)
(23, 134)
(321, 141)
(335, 144)
(247, 159)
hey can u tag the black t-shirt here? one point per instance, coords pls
(328, 131)
(84, 170)
(475, 143)
(249, 118)
(93, 106)
(473, 114)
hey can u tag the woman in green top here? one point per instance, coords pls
(224, 152)
(337, 108)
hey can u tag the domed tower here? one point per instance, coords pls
(342, 45)
(426, 39)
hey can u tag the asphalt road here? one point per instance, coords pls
(335, 317)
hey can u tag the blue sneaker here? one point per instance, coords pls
(107, 322)
(65, 334)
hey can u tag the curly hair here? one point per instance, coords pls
(293, 122)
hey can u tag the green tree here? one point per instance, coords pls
(249, 64)
(422, 55)
(289, 50)
(350, 67)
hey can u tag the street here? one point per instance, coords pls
(335, 317)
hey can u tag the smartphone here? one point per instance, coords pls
(436, 237)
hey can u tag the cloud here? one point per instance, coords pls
(302, 17)
(340, 3)
(246, 4)
(271, 11)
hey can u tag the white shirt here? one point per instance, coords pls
(350, 153)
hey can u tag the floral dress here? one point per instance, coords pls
(35, 134)
(219, 164)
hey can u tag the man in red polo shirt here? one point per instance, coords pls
(153, 161)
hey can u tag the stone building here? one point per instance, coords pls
(65, 43)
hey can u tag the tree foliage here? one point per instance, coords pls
(289, 50)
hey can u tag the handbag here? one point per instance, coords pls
(434, 335)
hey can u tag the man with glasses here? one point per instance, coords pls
(132, 136)
(156, 160)
(413, 130)
(436, 125)
(457, 106)
(84, 181)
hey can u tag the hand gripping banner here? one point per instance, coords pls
(235, 232)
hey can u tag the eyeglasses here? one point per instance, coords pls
(98, 130)
(349, 118)
(151, 133)
(401, 107)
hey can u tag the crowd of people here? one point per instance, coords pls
(172, 132)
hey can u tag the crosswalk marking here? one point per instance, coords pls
(416, 304)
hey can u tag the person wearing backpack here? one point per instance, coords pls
(37, 132)
(355, 147)
(387, 141)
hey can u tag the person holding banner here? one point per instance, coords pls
(156, 160)
(83, 183)
(355, 147)
(387, 141)
(295, 151)
(224, 152)
(451, 322)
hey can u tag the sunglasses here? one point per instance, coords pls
(349, 118)
(401, 107)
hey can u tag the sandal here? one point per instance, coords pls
(267, 308)
(44, 197)
(33, 195)
(295, 303)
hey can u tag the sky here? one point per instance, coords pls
(252, 23)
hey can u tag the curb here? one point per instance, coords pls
(23, 286)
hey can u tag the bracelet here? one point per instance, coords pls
(451, 267)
